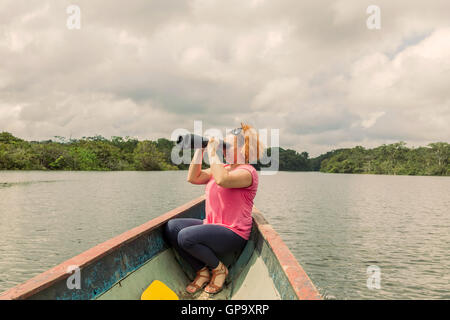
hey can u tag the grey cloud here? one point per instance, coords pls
(144, 68)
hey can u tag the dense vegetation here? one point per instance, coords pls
(291, 160)
(391, 159)
(89, 153)
(118, 153)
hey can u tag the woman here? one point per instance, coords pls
(230, 190)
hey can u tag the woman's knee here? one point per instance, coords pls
(171, 230)
(185, 238)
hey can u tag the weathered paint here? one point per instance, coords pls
(132, 286)
(254, 281)
(120, 267)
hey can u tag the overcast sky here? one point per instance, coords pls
(309, 68)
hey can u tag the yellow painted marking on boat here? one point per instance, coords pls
(158, 291)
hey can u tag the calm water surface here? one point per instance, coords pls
(335, 225)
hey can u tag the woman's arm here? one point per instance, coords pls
(238, 178)
(195, 174)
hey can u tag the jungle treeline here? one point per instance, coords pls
(393, 159)
(127, 153)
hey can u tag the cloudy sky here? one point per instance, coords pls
(311, 69)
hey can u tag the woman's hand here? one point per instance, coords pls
(212, 147)
(239, 178)
(212, 154)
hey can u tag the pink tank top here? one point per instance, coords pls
(231, 207)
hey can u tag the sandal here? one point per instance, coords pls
(212, 288)
(194, 283)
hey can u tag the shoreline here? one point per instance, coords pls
(172, 170)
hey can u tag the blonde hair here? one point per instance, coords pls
(253, 148)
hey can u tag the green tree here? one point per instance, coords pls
(148, 157)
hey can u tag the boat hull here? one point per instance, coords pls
(122, 267)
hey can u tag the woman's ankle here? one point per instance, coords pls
(220, 266)
(203, 271)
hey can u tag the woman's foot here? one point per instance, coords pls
(219, 275)
(200, 280)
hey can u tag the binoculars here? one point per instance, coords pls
(193, 141)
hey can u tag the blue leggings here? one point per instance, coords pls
(201, 244)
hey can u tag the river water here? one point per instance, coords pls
(337, 226)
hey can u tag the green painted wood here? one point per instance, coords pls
(254, 281)
(162, 267)
(254, 275)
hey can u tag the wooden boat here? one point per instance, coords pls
(123, 267)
